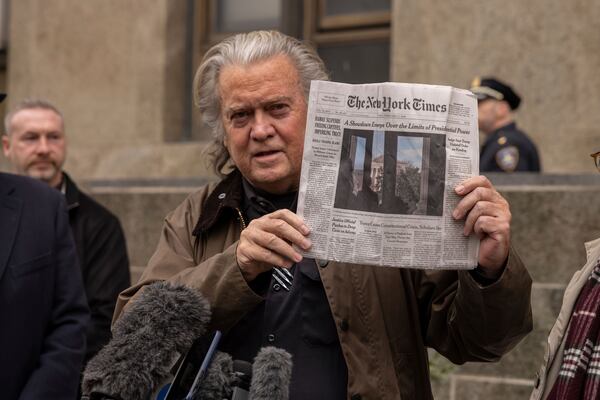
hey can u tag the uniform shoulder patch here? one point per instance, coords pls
(507, 158)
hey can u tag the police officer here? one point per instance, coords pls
(506, 148)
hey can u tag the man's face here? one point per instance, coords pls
(263, 110)
(36, 144)
(487, 114)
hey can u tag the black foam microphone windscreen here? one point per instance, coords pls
(159, 324)
(271, 374)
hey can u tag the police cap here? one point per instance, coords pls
(492, 88)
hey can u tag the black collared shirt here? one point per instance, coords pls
(298, 320)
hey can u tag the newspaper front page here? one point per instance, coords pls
(379, 167)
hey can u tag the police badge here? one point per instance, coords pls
(507, 158)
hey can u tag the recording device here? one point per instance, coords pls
(161, 323)
(242, 374)
(187, 370)
(225, 379)
(268, 378)
(204, 366)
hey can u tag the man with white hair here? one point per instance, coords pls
(354, 331)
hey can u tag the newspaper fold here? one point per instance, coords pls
(379, 167)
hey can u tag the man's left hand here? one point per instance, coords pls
(487, 215)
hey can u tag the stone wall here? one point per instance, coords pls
(118, 70)
(550, 224)
(547, 49)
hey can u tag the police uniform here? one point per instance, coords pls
(507, 149)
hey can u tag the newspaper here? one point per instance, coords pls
(379, 166)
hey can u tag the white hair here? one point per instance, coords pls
(245, 49)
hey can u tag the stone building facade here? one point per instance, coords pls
(121, 72)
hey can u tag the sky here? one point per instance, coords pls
(410, 149)
(359, 160)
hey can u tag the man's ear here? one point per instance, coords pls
(225, 140)
(5, 145)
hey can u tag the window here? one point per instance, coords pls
(348, 34)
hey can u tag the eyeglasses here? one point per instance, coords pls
(596, 157)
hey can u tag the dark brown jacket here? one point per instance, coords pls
(385, 317)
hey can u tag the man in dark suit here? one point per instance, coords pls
(36, 145)
(43, 308)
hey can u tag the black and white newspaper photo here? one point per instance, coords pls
(379, 167)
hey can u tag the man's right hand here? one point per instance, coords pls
(268, 241)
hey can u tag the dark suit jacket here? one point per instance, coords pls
(43, 311)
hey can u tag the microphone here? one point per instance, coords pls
(216, 384)
(225, 379)
(159, 324)
(267, 379)
(271, 374)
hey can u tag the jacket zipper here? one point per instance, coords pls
(242, 222)
(241, 218)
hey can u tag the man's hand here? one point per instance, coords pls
(487, 215)
(268, 240)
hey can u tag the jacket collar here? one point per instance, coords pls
(512, 126)
(7, 186)
(227, 196)
(492, 137)
(592, 249)
(71, 192)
